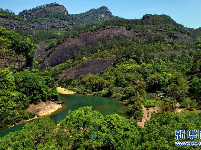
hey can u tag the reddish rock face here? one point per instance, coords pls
(65, 51)
(93, 66)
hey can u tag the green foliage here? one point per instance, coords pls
(81, 129)
(160, 130)
(196, 88)
(167, 104)
(11, 41)
(7, 80)
(177, 86)
(188, 103)
(12, 108)
(35, 86)
(161, 57)
(18, 90)
(88, 129)
(85, 127)
(121, 133)
(9, 15)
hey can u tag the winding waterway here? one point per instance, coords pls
(105, 105)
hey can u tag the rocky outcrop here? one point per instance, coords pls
(9, 59)
(94, 15)
(147, 17)
(12, 24)
(93, 66)
(65, 51)
(50, 16)
(53, 16)
(43, 12)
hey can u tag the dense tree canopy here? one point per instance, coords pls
(88, 129)
(18, 90)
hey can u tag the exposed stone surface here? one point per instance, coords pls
(11, 58)
(43, 108)
(43, 12)
(65, 51)
(12, 24)
(93, 66)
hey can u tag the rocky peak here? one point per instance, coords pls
(43, 11)
(147, 17)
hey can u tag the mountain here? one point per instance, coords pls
(155, 28)
(131, 60)
(67, 49)
(196, 32)
(95, 15)
(11, 21)
(52, 16)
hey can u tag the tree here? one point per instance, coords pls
(167, 104)
(84, 126)
(155, 82)
(35, 86)
(195, 88)
(120, 80)
(7, 80)
(188, 103)
(121, 133)
(160, 130)
(177, 86)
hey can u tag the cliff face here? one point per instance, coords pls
(13, 24)
(93, 66)
(66, 50)
(72, 46)
(43, 12)
(46, 17)
(54, 16)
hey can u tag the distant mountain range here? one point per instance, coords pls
(52, 16)
(56, 16)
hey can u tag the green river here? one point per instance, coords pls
(105, 105)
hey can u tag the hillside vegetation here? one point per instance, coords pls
(15, 50)
(88, 129)
(130, 60)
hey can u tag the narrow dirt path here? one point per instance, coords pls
(148, 112)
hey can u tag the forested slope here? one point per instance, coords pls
(88, 129)
(15, 50)
(148, 56)
(20, 88)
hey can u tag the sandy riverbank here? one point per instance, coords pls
(64, 91)
(40, 109)
(43, 108)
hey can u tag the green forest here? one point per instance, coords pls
(158, 56)
(88, 129)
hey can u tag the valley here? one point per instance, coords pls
(147, 69)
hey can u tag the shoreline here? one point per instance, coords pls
(44, 108)
(40, 109)
(21, 122)
(64, 91)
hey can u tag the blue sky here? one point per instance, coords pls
(186, 12)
